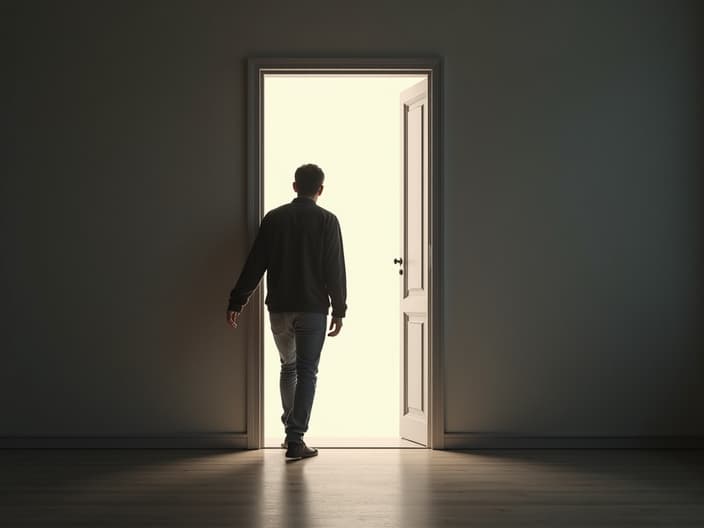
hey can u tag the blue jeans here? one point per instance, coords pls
(299, 336)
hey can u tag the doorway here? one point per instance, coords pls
(378, 382)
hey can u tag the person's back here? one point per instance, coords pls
(300, 246)
(305, 270)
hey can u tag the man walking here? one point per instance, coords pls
(299, 244)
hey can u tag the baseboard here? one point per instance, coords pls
(186, 441)
(501, 441)
(451, 441)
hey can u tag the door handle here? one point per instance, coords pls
(399, 261)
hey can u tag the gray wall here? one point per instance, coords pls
(573, 209)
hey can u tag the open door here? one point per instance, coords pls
(414, 263)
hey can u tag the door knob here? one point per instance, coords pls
(398, 261)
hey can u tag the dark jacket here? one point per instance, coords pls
(299, 244)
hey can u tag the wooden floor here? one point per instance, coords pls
(351, 488)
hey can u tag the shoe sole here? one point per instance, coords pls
(299, 457)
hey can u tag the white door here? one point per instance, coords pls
(414, 264)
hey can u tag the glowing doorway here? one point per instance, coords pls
(349, 126)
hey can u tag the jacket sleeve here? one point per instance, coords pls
(334, 268)
(257, 262)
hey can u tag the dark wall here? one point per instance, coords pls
(573, 260)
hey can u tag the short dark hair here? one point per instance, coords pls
(309, 178)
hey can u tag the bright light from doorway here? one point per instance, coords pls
(350, 126)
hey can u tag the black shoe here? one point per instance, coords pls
(299, 450)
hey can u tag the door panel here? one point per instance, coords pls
(415, 352)
(414, 199)
(414, 280)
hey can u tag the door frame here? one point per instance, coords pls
(256, 68)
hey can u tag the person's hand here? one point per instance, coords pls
(336, 323)
(233, 318)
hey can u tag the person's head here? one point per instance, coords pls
(309, 181)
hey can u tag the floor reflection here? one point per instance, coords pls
(406, 488)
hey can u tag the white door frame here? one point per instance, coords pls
(256, 68)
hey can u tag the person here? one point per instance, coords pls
(299, 244)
